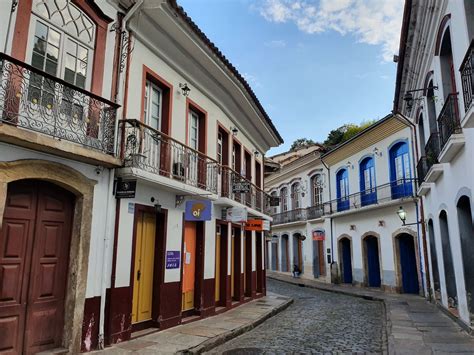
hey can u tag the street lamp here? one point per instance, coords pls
(402, 214)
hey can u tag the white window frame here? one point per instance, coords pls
(149, 88)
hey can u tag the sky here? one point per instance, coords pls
(314, 64)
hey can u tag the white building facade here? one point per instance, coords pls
(437, 98)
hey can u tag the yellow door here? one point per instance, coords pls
(218, 263)
(232, 268)
(144, 263)
(189, 266)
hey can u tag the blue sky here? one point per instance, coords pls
(314, 64)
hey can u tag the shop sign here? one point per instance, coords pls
(254, 225)
(236, 215)
(240, 186)
(198, 210)
(172, 259)
(125, 188)
(266, 225)
(319, 234)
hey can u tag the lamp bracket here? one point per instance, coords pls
(415, 90)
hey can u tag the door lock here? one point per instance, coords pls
(139, 273)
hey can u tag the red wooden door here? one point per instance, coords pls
(34, 245)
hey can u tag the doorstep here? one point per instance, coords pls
(205, 334)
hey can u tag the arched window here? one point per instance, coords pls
(421, 133)
(446, 64)
(342, 189)
(400, 172)
(284, 199)
(295, 196)
(274, 208)
(316, 190)
(431, 108)
(367, 181)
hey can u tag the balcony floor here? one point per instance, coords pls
(434, 173)
(468, 119)
(452, 147)
(424, 188)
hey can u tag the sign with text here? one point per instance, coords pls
(258, 225)
(274, 201)
(125, 188)
(319, 234)
(236, 215)
(240, 186)
(198, 210)
(172, 259)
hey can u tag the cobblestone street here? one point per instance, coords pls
(317, 321)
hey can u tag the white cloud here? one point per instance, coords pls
(375, 22)
(275, 44)
(252, 80)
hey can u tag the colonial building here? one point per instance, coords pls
(371, 177)
(434, 90)
(128, 141)
(298, 231)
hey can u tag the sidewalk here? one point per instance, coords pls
(205, 334)
(414, 326)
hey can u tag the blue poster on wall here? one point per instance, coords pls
(198, 210)
(172, 259)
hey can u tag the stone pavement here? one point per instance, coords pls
(201, 335)
(414, 326)
(316, 322)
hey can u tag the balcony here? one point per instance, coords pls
(290, 216)
(255, 199)
(450, 132)
(152, 151)
(395, 190)
(428, 168)
(32, 102)
(467, 79)
(314, 212)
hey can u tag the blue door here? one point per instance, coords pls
(373, 264)
(400, 172)
(406, 245)
(346, 261)
(342, 178)
(368, 194)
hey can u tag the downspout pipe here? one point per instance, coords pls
(419, 208)
(110, 201)
(7, 38)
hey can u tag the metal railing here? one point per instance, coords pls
(467, 76)
(256, 198)
(298, 214)
(314, 212)
(37, 101)
(403, 188)
(448, 120)
(148, 149)
(432, 150)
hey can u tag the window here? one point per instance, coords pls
(153, 105)
(284, 199)
(342, 178)
(274, 208)
(367, 181)
(219, 147)
(193, 130)
(295, 196)
(317, 190)
(400, 172)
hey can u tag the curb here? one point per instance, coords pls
(221, 339)
(386, 321)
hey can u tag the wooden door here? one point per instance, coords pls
(144, 265)
(34, 253)
(232, 265)
(189, 266)
(244, 242)
(218, 263)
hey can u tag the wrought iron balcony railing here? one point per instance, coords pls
(146, 148)
(314, 212)
(448, 120)
(394, 190)
(432, 150)
(467, 76)
(256, 198)
(298, 214)
(37, 101)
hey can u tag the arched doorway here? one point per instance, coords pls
(34, 254)
(372, 262)
(449, 274)
(297, 252)
(346, 260)
(407, 263)
(434, 261)
(466, 231)
(274, 246)
(284, 253)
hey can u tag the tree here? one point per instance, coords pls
(335, 137)
(302, 143)
(345, 132)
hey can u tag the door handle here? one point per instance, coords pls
(139, 273)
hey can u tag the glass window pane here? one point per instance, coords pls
(39, 45)
(81, 67)
(51, 67)
(41, 30)
(81, 81)
(52, 53)
(69, 76)
(37, 61)
(71, 47)
(54, 37)
(82, 53)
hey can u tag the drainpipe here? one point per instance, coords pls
(110, 200)
(330, 219)
(13, 9)
(405, 120)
